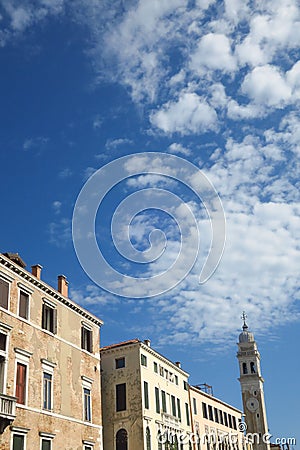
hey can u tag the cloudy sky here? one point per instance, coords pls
(216, 83)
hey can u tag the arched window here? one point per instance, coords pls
(245, 370)
(159, 440)
(175, 443)
(252, 367)
(198, 441)
(122, 440)
(148, 439)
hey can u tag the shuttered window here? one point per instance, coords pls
(146, 395)
(157, 402)
(24, 305)
(21, 383)
(46, 444)
(121, 397)
(86, 339)
(49, 318)
(4, 289)
(87, 407)
(18, 442)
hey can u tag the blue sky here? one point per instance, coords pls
(84, 83)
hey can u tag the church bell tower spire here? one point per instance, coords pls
(251, 381)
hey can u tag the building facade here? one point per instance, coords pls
(145, 399)
(252, 383)
(50, 393)
(216, 425)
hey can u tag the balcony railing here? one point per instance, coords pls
(170, 420)
(7, 407)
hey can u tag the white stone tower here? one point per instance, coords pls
(252, 388)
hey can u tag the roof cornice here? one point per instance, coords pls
(48, 289)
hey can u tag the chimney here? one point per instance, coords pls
(178, 364)
(147, 342)
(36, 271)
(62, 285)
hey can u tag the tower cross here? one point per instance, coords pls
(244, 317)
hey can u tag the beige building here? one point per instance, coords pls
(50, 395)
(145, 399)
(216, 425)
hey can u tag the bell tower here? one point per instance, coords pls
(252, 382)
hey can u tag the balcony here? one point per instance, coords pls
(7, 411)
(170, 420)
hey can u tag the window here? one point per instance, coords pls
(157, 402)
(18, 441)
(144, 360)
(161, 371)
(216, 415)
(4, 291)
(21, 383)
(148, 439)
(86, 339)
(46, 444)
(155, 367)
(210, 412)
(225, 419)
(121, 397)
(252, 367)
(173, 405)
(47, 391)
(3, 359)
(24, 305)
(146, 395)
(46, 440)
(187, 413)
(120, 363)
(245, 370)
(230, 420)
(185, 385)
(87, 406)
(234, 422)
(163, 401)
(122, 440)
(204, 410)
(195, 405)
(221, 417)
(178, 409)
(176, 380)
(49, 318)
(160, 440)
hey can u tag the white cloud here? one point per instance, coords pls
(213, 52)
(241, 112)
(92, 296)
(190, 114)
(265, 85)
(293, 79)
(65, 173)
(88, 172)
(38, 143)
(97, 121)
(179, 149)
(112, 144)
(273, 27)
(22, 17)
(259, 269)
(60, 233)
(56, 205)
